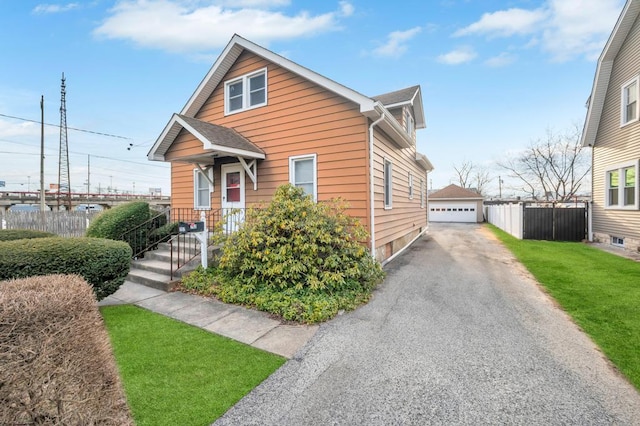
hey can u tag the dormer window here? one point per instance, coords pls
(408, 122)
(630, 96)
(246, 92)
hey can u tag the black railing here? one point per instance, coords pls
(149, 234)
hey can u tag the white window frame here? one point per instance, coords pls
(620, 168)
(624, 102)
(617, 241)
(246, 95)
(387, 182)
(422, 192)
(408, 125)
(196, 189)
(292, 171)
(410, 186)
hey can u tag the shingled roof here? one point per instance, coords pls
(220, 135)
(397, 97)
(453, 191)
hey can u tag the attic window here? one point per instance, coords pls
(246, 92)
(630, 96)
(408, 122)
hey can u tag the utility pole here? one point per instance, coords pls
(88, 175)
(42, 157)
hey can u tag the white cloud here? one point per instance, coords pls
(346, 8)
(458, 56)
(54, 8)
(396, 43)
(179, 26)
(564, 29)
(239, 4)
(12, 129)
(501, 60)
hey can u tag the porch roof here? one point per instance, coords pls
(217, 141)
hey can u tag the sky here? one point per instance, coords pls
(495, 74)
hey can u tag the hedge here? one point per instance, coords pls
(56, 362)
(114, 223)
(103, 263)
(19, 234)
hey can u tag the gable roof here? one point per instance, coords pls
(604, 68)
(215, 139)
(370, 108)
(411, 96)
(454, 192)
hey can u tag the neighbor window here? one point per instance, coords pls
(246, 92)
(408, 121)
(630, 102)
(622, 186)
(202, 188)
(410, 186)
(302, 174)
(388, 184)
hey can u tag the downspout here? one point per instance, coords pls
(371, 198)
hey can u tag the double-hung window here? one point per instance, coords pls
(388, 184)
(422, 193)
(246, 92)
(630, 94)
(410, 186)
(303, 174)
(202, 189)
(408, 122)
(622, 186)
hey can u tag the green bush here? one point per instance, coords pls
(118, 222)
(103, 263)
(19, 234)
(163, 233)
(297, 258)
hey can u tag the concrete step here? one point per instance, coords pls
(153, 265)
(150, 279)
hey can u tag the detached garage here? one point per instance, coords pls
(455, 204)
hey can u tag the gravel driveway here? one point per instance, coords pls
(458, 333)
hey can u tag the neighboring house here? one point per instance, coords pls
(612, 128)
(455, 204)
(258, 120)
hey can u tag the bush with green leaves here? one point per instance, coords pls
(123, 223)
(300, 259)
(103, 263)
(19, 234)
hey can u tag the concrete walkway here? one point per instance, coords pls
(458, 334)
(254, 328)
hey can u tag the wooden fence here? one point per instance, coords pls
(62, 223)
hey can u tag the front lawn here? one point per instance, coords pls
(177, 374)
(601, 292)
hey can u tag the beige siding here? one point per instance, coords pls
(406, 215)
(616, 145)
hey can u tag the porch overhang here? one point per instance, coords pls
(217, 141)
(424, 162)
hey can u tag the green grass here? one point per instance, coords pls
(177, 374)
(601, 292)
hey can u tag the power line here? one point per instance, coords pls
(69, 128)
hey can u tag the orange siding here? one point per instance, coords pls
(300, 118)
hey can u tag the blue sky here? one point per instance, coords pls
(495, 74)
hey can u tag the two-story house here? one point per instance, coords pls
(612, 128)
(258, 120)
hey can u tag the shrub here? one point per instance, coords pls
(163, 233)
(115, 224)
(56, 362)
(103, 263)
(19, 234)
(297, 258)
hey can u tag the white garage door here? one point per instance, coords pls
(453, 212)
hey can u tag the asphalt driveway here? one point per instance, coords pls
(458, 333)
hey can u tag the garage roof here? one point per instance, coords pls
(454, 192)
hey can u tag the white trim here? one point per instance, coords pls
(231, 168)
(399, 252)
(623, 101)
(422, 194)
(314, 157)
(208, 175)
(372, 204)
(246, 93)
(410, 186)
(389, 205)
(621, 181)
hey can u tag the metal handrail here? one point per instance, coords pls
(141, 238)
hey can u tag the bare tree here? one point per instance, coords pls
(472, 176)
(553, 167)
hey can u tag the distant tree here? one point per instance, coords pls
(472, 176)
(551, 168)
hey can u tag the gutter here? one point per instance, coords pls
(371, 198)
